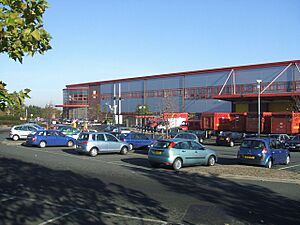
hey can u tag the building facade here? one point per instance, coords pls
(214, 90)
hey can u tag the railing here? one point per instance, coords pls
(194, 93)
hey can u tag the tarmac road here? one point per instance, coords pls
(57, 186)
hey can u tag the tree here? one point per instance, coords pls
(21, 32)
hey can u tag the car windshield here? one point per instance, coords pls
(253, 144)
(83, 137)
(162, 144)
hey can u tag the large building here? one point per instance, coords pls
(214, 90)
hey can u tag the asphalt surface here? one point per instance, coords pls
(56, 186)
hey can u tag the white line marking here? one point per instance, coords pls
(57, 218)
(287, 167)
(118, 163)
(84, 209)
(6, 199)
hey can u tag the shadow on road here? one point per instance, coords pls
(224, 201)
(66, 191)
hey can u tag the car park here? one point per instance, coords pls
(293, 144)
(180, 152)
(93, 143)
(137, 140)
(229, 138)
(22, 131)
(43, 138)
(263, 151)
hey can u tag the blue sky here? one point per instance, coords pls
(102, 40)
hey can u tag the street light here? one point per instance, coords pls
(258, 106)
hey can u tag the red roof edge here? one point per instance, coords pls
(254, 66)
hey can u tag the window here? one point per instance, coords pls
(18, 128)
(100, 137)
(182, 145)
(195, 146)
(111, 138)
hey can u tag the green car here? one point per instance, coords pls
(180, 152)
(69, 131)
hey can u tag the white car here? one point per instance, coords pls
(121, 130)
(22, 131)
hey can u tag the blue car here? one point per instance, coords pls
(263, 151)
(137, 140)
(43, 138)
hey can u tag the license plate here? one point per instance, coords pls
(221, 139)
(157, 152)
(249, 157)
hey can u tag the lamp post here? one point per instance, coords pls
(258, 106)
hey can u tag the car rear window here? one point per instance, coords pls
(162, 144)
(83, 137)
(253, 144)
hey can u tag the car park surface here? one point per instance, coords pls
(124, 189)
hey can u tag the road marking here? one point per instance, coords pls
(58, 217)
(118, 163)
(287, 167)
(6, 199)
(85, 209)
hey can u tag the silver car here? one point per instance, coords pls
(22, 131)
(100, 142)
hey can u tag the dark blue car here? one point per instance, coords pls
(43, 138)
(263, 151)
(137, 140)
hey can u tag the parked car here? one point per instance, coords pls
(201, 134)
(283, 138)
(230, 138)
(94, 143)
(121, 130)
(180, 152)
(69, 131)
(43, 138)
(137, 140)
(293, 144)
(22, 131)
(189, 136)
(263, 151)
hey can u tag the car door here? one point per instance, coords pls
(187, 154)
(50, 138)
(113, 143)
(144, 140)
(276, 154)
(100, 142)
(24, 131)
(199, 152)
(60, 138)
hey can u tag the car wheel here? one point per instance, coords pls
(269, 164)
(42, 144)
(16, 137)
(201, 140)
(287, 160)
(211, 161)
(130, 146)
(70, 143)
(93, 152)
(177, 164)
(231, 143)
(124, 150)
